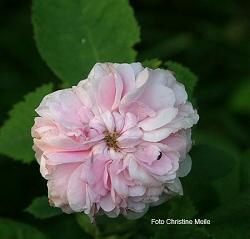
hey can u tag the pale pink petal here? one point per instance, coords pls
(136, 206)
(175, 186)
(148, 153)
(138, 109)
(158, 97)
(119, 185)
(119, 121)
(138, 173)
(107, 203)
(130, 138)
(137, 67)
(137, 190)
(95, 175)
(108, 120)
(114, 154)
(58, 184)
(104, 100)
(185, 167)
(179, 142)
(142, 78)
(130, 121)
(99, 70)
(76, 191)
(106, 79)
(98, 124)
(83, 93)
(180, 93)
(185, 118)
(163, 117)
(100, 148)
(58, 104)
(157, 134)
(67, 157)
(159, 167)
(163, 77)
(127, 75)
(118, 91)
(85, 114)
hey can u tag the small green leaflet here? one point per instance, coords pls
(182, 207)
(15, 138)
(152, 63)
(231, 219)
(10, 229)
(239, 101)
(41, 209)
(85, 223)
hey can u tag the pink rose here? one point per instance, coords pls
(117, 142)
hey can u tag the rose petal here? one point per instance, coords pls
(162, 118)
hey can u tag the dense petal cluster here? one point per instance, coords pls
(117, 142)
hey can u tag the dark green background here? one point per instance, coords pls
(210, 37)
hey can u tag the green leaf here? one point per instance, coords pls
(240, 98)
(183, 75)
(152, 63)
(182, 208)
(245, 169)
(231, 220)
(73, 35)
(64, 227)
(119, 226)
(168, 46)
(226, 144)
(85, 223)
(210, 165)
(41, 209)
(10, 229)
(230, 230)
(215, 139)
(181, 232)
(225, 190)
(15, 138)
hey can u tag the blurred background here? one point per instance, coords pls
(210, 37)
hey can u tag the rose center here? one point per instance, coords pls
(111, 140)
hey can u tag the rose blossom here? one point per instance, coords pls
(117, 142)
